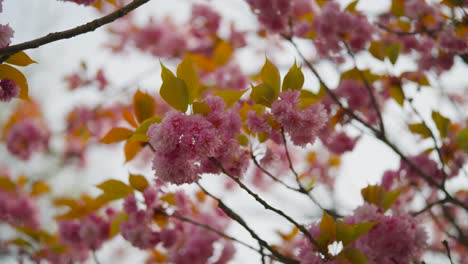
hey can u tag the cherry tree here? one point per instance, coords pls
(221, 124)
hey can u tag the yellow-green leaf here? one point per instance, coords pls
(396, 92)
(442, 123)
(294, 79)
(398, 7)
(174, 90)
(328, 228)
(115, 189)
(420, 129)
(373, 194)
(140, 132)
(116, 134)
(138, 182)
(390, 198)
(222, 53)
(270, 76)
(352, 6)
(117, 220)
(7, 71)
(143, 105)
(462, 139)
(354, 256)
(377, 49)
(20, 59)
(230, 96)
(263, 94)
(347, 233)
(201, 108)
(187, 72)
(392, 52)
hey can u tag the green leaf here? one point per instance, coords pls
(174, 90)
(352, 6)
(462, 139)
(263, 94)
(271, 77)
(230, 96)
(308, 98)
(354, 256)
(398, 7)
(115, 189)
(187, 72)
(7, 71)
(396, 92)
(347, 233)
(20, 59)
(377, 49)
(392, 52)
(138, 182)
(201, 108)
(390, 198)
(140, 132)
(417, 77)
(420, 129)
(117, 220)
(143, 105)
(116, 134)
(294, 79)
(442, 123)
(328, 228)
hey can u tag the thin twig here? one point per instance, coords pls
(234, 216)
(271, 208)
(369, 89)
(5, 53)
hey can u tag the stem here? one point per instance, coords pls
(271, 208)
(234, 216)
(5, 53)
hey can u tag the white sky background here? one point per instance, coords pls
(34, 18)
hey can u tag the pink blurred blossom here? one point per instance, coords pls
(8, 90)
(26, 137)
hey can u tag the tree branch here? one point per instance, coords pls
(5, 53)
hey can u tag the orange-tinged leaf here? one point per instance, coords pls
(174, 90)
(128, 116)
(159, 257)
(20, 59)
(116, 134)
(328, 228)
(203, 62)
(398, 7)
(143, 105)
(115, 189)
(131, 149)
(7, 184)
(7, 71)
(189, 74)
(39, 188)
(270, 76)
(138, 182)
(294, 79)
(161, 220)
(168, 198)
(373, 194)
(222, 53)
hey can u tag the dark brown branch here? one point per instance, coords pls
(271, 208)
(207, 227)
(5, 53)
(379, 135)
(369, 89)
(234, 216)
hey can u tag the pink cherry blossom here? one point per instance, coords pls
(26, 137)
(302, 125)
(6, 33)
(8, 90)
(89, 232)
